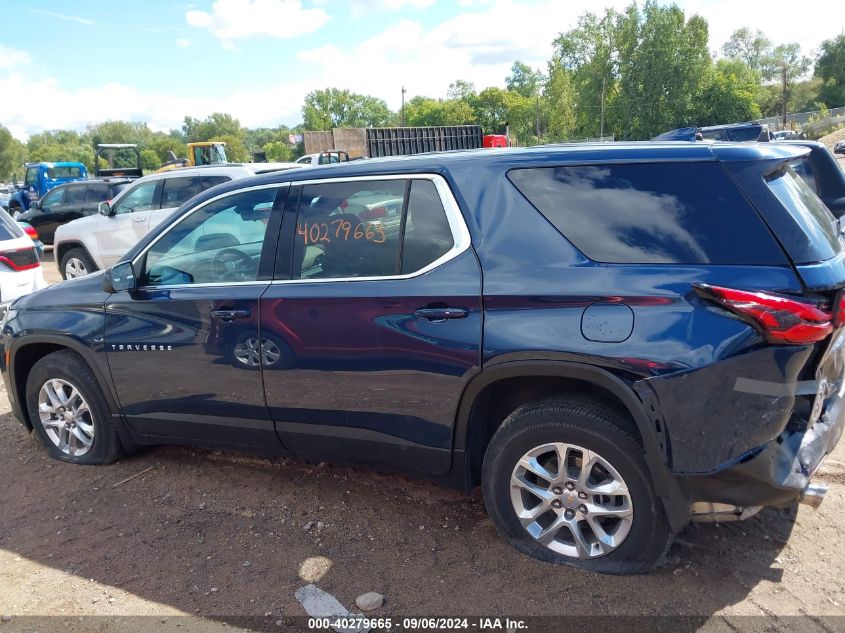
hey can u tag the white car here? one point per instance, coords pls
(324, 158)
(98, 241)
(20, 265)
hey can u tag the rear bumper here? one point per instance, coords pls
(777, 473)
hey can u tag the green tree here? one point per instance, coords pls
(663, 59)
(60, 145)
(559, 103)
(754, 49)
(212, 128)
(12, 153)
(280, 151)
(331, 108)
(524, 80)
(149, 160)
(590, 52)
(730, 93)
(461, 90)
(491, 110)
(164, 144)
(830, 69)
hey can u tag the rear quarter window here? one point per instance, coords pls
(667, 213)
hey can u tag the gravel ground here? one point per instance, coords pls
(202, 538)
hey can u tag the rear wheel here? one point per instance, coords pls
(68, 411)
(76, 263)
(565, 482)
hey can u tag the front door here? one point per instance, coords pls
(374, 333)
(119, 232)
(184, 347)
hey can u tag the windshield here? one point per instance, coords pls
(807, 210)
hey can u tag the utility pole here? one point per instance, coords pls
(403, 106)
(784, 93)
(537, 114)
(601, 133)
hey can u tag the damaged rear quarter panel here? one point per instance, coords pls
(710, 423)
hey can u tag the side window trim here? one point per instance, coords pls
(457, 225)
(140, 258)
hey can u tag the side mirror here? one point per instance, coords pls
(119, 277)
(104, 208)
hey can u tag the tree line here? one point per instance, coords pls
(629, 74)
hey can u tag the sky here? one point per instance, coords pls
(68, 63)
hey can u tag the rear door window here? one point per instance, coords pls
(669, 213)
(75, 195)
(179, 190)
(98, 193)
(370, 228)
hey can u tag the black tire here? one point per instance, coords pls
(79, 254)
(70, 367)
(594, 426)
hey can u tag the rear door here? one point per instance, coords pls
(119, 232)
(180, 346)
(373, 326)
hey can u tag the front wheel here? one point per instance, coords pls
(76, 263)
(68, 411)
(564, 481)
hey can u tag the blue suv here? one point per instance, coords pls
(611, 340)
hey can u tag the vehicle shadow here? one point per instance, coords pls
(232, 537)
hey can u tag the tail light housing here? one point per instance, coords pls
(781, 319)
(30, 230)
(19, 259)
(374, 213)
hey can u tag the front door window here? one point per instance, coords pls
(220, 242)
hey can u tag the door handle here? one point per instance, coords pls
(230, 314)
(441, 314)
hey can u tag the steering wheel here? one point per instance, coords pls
(233, 265)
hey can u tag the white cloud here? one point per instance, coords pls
(183, 42)
(11, 58)
(479, 45)
(116, 101)
(231, 20)
(64, 17)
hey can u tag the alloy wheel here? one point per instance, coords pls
(252, 354)
(571, 500)
(75, 267)
(66, 417)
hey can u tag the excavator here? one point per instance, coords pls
(199, 153)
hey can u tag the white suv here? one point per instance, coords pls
(98, 241)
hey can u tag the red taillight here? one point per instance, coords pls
(782, 319)
(20, 258)
(30, 230)
(374, 213)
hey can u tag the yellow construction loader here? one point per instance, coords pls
(200, 153)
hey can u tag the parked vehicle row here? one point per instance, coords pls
(610, 340)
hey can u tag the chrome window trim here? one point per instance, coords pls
(457, 225)
(142, 254)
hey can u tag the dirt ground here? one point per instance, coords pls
(201, 539)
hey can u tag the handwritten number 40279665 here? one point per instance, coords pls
(322, 232)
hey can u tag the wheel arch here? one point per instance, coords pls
(24, 355)
(546, 377)
(61, 249)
